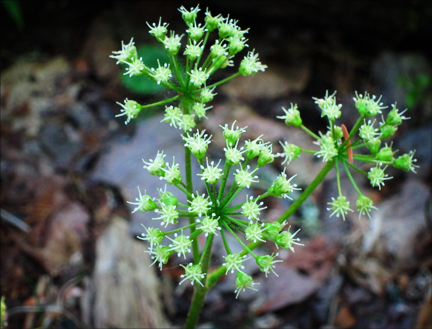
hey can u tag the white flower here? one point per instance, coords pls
(181, 244)
(251, 64)
(173, 115)
(282, 186)
(377, 176)
(193, 273)
(327, 148)
(199, 204)
(251, 209)
(290, 152)
(254, 232)
(364, 205)
(172, 173)
(197, 143)
(160, 254)
(367, 131)
(172, 43)
(159, 31)
(130, 109)
(233, 155)
(244, 178)
(153, 235)
(198, 77)
(232, 135)
(244, 281)
(211, 173)
(127, 54)
(329, 107)
(200, 110)
(340, 206)
(234, 262)
(144, 202)
(368, 106)
(162, 73)
(168, 214)
(209, 225)
(266, 263)
(193, 50)
(187, 122)
(156, 166)
(136, 66)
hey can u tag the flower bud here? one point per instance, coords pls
(387, 130)
(373, 145)
(271, 230)
(385, 154)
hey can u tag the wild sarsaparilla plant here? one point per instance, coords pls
(193, 57)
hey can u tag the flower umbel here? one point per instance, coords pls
(193, 273)
(340, 206)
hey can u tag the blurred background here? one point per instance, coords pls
(69, 256)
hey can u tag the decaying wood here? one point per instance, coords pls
(124, 291)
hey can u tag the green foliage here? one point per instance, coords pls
(142, 84)
(14, 10)
(416, 88)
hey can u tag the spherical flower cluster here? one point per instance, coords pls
(292, 116)
(364, 205)
(173, 115)
(180, 244)
(130, 109)
(197, 143)
(234, 262)
(327, 150)
(290, 152)
(144, 202)
(368, 106)
(329, 107)
(209, 225)
(193, 273)
(211, 173)
(158, 31)
(198, 77)
(251, 64)
(339, 206)
(377, 176)
(161, 74)
(244, 177)
(156, 166)
(251, 208)
(199, 204)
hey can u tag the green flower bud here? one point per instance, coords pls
(373, 145)
(292, 116)
(189, 16)
(266, 156)
(271, 230)
(406, 162)
(212, 23)
(387, 130)
(385, 154)
(168, 199)
(286, 240)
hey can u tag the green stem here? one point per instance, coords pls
(338, 178)
(309, 132)
(200, 292)
(224, 80)
(189, 185)
(172, 99)
(308, 191)
(351, 177)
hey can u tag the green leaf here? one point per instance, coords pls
(14, 10)
(140, 84)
